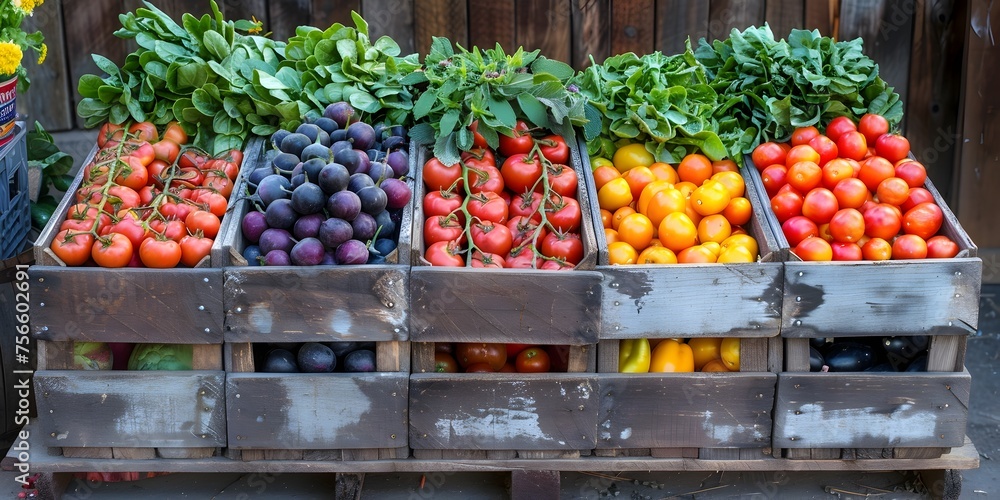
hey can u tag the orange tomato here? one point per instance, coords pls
(716, 365)
(665, 202)
(620, 253)
(677, 232)
(738, 211)
(619, 215)
(802, 152)
(638, 178)
(705, 349)
(664, 172)
(603, 174)
(605, 218)
(714, 228)
(726, 165)
(636, 230)
(611, 235)
(649, 191)
(656, 254)
(697, 254)
(695, 168)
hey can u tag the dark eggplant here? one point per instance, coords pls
(881, 367)
(818, 342)
(900, 351)
(816, 360)
(849, 357)
(918, 365)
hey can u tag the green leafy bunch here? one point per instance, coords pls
(44, 154)
(662, 101)
(774, 86)
(342, 64)
(462, 86)
(203, 74)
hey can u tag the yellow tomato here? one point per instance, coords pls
(736, 255)
(733, 182)
(730, 352)
(672, 356)
(716, 365)
(614, 194)
(705, 349)
(741, 240)
(621, 253)
(636, 230)
(714, 228)
(632, 155)
(648, 192)
(710, 198)
(656, 255)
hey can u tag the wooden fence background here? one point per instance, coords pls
(939, 55)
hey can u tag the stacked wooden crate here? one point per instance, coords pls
(316, 416)
(867, 414)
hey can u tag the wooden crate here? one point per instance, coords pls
(309, 416)
(131, 414)
(712, 416)
(84, 303)
(865, 298)
(868, 415)
(301, 304)
(500, 416)
(473, 305)
(692, 300)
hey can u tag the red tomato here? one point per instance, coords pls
(480, 368)
(556, 265)
(131, 173)
(444, 253)
(802, 152)
(798, 228)
(110, 135)
(847, 226)
(131, 229)
(767, 154)
(144, 131)
(917, 196)
(526, 204)
(941, 247)
(113, 250)
(477, 140)
(803, 135)
(851, 193)
(491, 237)
(172, 230)
(835, 171)
(520, 173)
(873, 126)
(819, 205)
(814, 249)
(892, 147)
(846, 251)
(220, 183)
(874, 170)
(514, 349)
(876, 249)
(838, 126)
(773, 178)
(488, 206)
(554, 148)
(471, 353)
(485, 178)
(443, 228)
(909, 246)
(533, 360)
(438, 202)
(437, 175)
(786, 205)
(562, 179)
(852, 145)
(523, 257)
(882, 221)
(826, 148)
(520, 140)
(194, 248)
(565, 246)
(205, 222)
(73, 248)
(923, 220)
(161, 254)
(913, 172)
(563, 213)
(487, 260)
(445, 363)
(119, 197)
(214, 202)
(804, 176)
(523, 229)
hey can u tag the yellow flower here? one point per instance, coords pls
(27, 6)
(256, 29)
(10, 58)
(42, 52)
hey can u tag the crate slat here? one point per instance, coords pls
(317, 411)
(859, 410)
(551, 411)
(155, 409)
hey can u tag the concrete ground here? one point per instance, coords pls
(982, 483)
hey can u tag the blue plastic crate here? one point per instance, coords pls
(15, 208)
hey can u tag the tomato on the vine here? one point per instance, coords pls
(565, 246)
(488, 206)
(526, 204)
(194, 248)
(131, 173)
(477, 139)
(485, 178)
(554, 148)
(144, 131)
(73, 248)
(439, 202)
(131, 229)
(445, 363)
(175, 132)
(492, 237)
(443, 228)
(160, 253)
(520, 140)
(523, 257)
(444, 253)
(523, 229)
(205, 222)
(110, 135)
(172, 229)
(563, 213)
(487, 260)
(521, 172)
(112, 250)
(437, 175)
(562, 179)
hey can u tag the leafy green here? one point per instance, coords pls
(773, 86)
(461, 86)
(660, 100)
(188, 73)
(55, 166)
(341, 63)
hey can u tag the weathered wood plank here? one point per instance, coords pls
(632, 27)
(127, 305)
(591, 24)
(48, 100)
(245, 9)
(393, 18)
(854, 410)
(89, 29)
(978, 160)
(930, 297)
(726, 15)
(325, 13)
(946, 353)
(525, 485)
(447, 18)
(317, 411)
(492, 23)
(886, 26)
(933, 94)
(676, 301)
(306, 304)
(163, 409)
(544, 25)
(479, 305)
(782, 17)
(285, 16)
(551, 411)
(821, 15)
(705, 410)
(676, 21)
